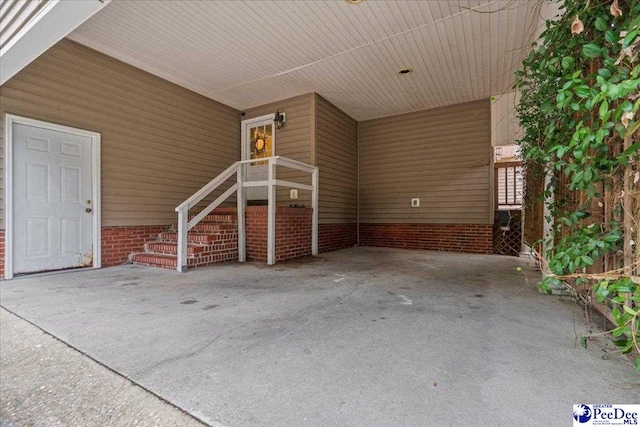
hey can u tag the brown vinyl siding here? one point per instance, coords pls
(337, 159)
(505, 125)
(160, 142)
(441, 156)
(294, 141)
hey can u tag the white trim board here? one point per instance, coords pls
(9, 121)
(50, 25)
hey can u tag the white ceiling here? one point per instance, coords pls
(249, 53)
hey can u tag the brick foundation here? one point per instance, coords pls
(293, 237)
(119, 242)
(332, 237)
(1, 254)
(474, 238)
(293, 233)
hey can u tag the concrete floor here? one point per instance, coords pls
(47, 383)
(364, 336)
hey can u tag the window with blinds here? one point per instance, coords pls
(509, 186)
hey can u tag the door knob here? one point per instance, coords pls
(88, 210)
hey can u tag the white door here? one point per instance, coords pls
(53, 207)
(258, 143)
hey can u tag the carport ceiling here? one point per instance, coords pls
(249, 53)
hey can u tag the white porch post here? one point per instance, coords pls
(271, 214)
(242, 236)
(183, 220)
(314, 205)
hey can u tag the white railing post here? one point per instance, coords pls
(183, 220)
(242, 234)
(314, 205)
(240, 170)
(271, 214)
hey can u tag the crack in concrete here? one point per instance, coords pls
(193, 353)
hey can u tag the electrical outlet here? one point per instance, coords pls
(415, 202)
(293, 194)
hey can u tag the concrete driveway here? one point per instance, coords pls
(364, 336)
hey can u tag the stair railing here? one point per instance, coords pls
(240, 170)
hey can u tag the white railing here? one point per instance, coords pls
(240, 170)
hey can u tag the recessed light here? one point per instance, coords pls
(354, 1)
(404, 71)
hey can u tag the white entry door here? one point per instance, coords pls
(52, 205)
(258, 143)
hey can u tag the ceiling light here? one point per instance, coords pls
(404, 71)
(354, 1)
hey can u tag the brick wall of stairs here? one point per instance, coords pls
(213, 240)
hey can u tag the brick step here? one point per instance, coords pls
(155, 260)
(168, 248)
(198, 238)
(195, 260)
(193, 251)
(217, 218)
(211, 227)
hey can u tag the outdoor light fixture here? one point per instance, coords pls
(354, 1)
(279, 119)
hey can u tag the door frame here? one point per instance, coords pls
(9, 121)
(245, 124)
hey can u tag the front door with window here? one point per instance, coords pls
(52, 206)
(258, 143)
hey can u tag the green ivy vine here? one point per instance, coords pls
(580, 96)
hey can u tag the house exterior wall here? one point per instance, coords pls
(160, 142)
(121, 241)
(293, 233)
(295, 140)
(473, 238)
(337, 160)
(1, 253)
(319, 133)
(505, 125)
(443, 157)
